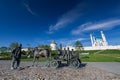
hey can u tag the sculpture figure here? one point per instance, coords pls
(16, 56)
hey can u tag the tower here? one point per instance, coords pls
(105, 43)
(53, 45)
(92, 41)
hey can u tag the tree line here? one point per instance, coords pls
(10, 48)
(78, 45)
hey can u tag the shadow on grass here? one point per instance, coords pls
(85, 57)
(6, 58)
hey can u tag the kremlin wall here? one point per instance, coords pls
(97, 44)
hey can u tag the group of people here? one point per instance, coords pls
(66, 54)
(16, 56)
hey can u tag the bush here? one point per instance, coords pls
(5, 54)
(53, 52)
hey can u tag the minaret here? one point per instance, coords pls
(91, 37)
(94, 41)
(104, 38)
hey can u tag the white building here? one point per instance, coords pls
(24, 49)
(102, 48)
(53, 45)
(70, 48)
(100, 43)
(97, 42)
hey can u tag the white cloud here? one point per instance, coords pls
(29, 9)
(96, 26)
(66, 19)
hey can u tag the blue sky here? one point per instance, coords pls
(65, 21)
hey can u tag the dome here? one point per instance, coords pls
(53, 42)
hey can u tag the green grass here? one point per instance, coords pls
(92, 51)
(102, 56)
(111, 52)
(31, 59)
(98, 58)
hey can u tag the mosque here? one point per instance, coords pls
(100, 43)
(97, 44)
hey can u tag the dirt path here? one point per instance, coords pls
(64, 73)
(108, 66)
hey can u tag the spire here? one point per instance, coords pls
(103, 38)
(91, 37)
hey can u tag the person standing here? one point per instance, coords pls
(64, 54)
(68, 56)
(16, 57)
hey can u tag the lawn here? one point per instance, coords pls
(99, 58)
(102, 56)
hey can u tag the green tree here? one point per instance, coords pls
(13, 45)
(3, 49)
(78, 45)
(44, 46)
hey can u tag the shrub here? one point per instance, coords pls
(5, 54)
(53, 52)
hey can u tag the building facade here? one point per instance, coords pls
(97, 42)
(100, 43)
(53, 45)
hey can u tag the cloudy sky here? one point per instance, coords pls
(65, 21)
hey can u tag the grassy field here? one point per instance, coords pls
(94, 56)
(101, 56)
(31, 59)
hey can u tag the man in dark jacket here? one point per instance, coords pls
(16, 56)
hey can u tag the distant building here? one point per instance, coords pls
(102, 48)
(70, 48)
(96, 42)
(53, 45)
(24, 49)
(100, 43)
